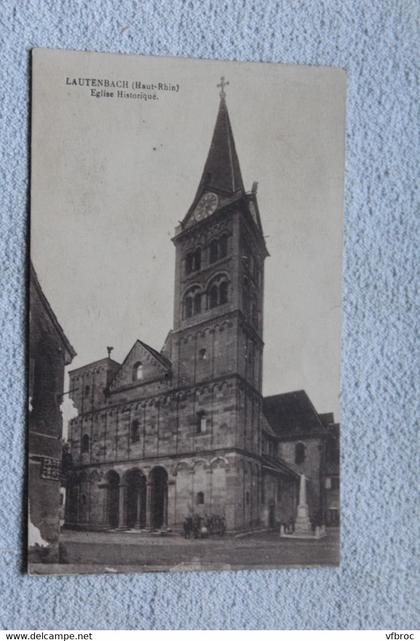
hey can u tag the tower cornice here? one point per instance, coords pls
(210, 322)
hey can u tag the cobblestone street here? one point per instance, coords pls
(90, 552)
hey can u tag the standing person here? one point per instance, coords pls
(188, 526)
(196, 525)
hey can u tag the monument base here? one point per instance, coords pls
(303, 527)
(303, 523)
(319, 533)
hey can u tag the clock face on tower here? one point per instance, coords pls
(206, 206)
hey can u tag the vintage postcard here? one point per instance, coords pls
(184, 349)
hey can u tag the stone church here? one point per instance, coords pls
(186, 429)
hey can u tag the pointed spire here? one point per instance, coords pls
(221, 171)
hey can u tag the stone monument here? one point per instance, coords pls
(303, 523)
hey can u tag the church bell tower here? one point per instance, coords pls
(219, 279)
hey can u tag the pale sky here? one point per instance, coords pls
(112, 177)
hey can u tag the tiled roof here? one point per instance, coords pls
(292, 412)
(279, 466)
(47, 307)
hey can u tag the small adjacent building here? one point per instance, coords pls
(331, 471)
(49, 353)
(308, 443)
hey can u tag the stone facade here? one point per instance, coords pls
(49, 353)
(182, 430)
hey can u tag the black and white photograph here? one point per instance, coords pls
(185, 314)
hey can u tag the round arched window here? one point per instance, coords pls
(218, 291)
(213, 296)
(299, 453)
(223, 293)
(85, 444)
(135, 431)
(197, 303)
(188, 306)
(223, 246)
(138, 371)
(192, 302)
(193, 261)
(213, 251)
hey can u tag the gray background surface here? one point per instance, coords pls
(375, 42)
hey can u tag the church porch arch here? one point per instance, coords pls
(158, 501)
(112, 515)
(135, 485)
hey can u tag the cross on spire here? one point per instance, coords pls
(222, 84)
